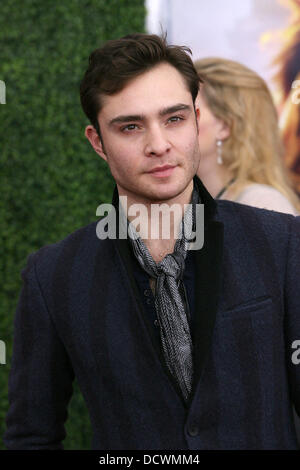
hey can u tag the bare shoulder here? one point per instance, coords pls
(265, 197)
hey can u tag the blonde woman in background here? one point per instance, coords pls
(241, 149)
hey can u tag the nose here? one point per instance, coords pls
(157, 142)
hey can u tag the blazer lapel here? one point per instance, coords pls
(208, 279)
(207, 288)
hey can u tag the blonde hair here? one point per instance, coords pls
(253, 152)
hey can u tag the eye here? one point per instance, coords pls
(175, 119)
(129, 127)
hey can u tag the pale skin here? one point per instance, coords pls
(211, 129)
(151, 123)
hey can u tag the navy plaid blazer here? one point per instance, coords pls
(80, 315)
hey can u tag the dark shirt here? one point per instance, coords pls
(142, 279)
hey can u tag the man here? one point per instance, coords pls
(172, 347)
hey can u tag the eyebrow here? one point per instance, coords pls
(142, 117)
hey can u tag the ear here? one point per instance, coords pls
(223, 131)
(93, 137)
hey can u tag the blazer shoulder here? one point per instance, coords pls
(225, 207)
(46, 257)
(255, 219)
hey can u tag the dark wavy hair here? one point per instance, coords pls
(118, 61)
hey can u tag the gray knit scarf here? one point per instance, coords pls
(170, 298)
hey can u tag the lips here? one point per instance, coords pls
(162, 171)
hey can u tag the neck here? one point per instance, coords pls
(214, 176)
(156, 222)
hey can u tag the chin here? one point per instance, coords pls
(167, 191)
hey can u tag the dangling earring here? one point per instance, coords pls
(219, 144)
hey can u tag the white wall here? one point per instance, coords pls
(225, 28)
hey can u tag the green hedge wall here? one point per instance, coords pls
(51, 180)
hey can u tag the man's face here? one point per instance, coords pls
(149, 125)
